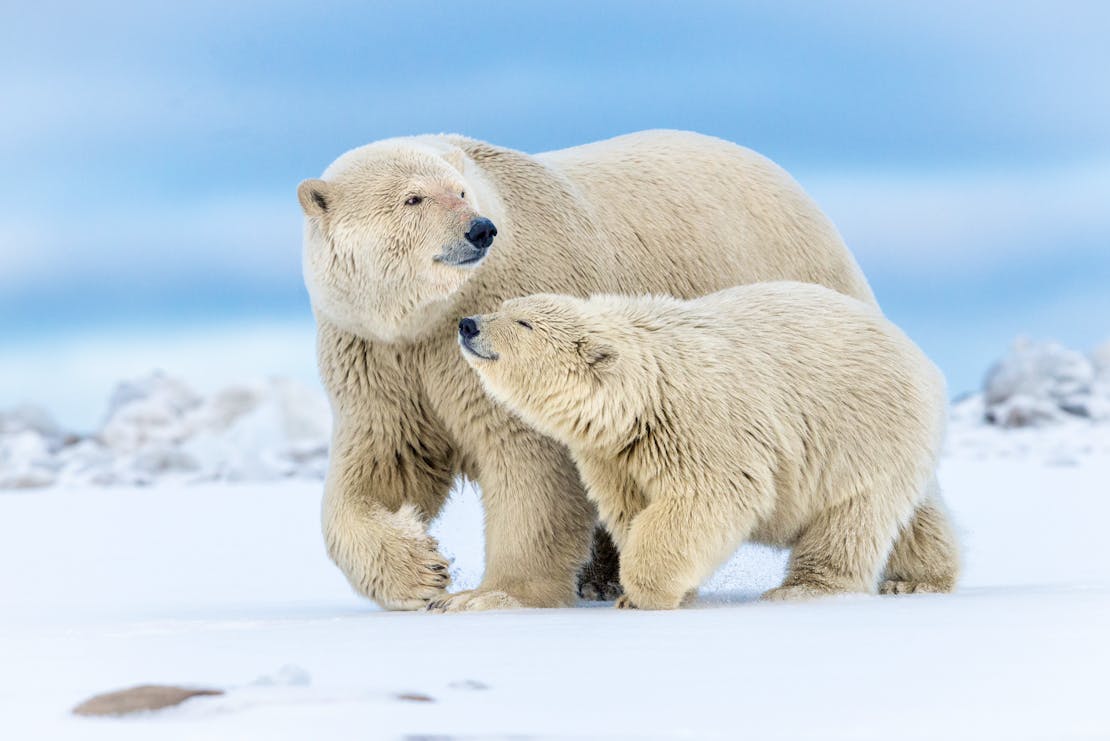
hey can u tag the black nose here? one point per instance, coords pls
(468, 328)
(481, 233)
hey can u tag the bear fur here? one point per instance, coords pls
(390, 271)
(781, 413)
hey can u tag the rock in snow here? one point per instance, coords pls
(140, 699)
(156, 428)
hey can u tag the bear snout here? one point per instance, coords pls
(481, 233)
(473, 341)
(468, 328)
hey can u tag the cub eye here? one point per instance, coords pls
(462, 194)
(413, 200)
(524, 324)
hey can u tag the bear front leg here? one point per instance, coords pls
(386, 556)
(375, 513)
(390, 470)
(676, 543)
(538, 526)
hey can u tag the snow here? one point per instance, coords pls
(213, 574)
(157, 428)
(1041, 382)
(220, 585)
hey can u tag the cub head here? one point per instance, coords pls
(565, 365)
(393, 231)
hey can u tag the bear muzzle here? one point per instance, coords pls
(472, 340)
(468, 253)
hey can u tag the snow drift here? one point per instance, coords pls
(1039, 382)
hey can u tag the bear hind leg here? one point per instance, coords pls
(599, 579)
(926, 555)
(842, 551)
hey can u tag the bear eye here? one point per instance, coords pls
(524, 324)
(462, 194)
(413, 200)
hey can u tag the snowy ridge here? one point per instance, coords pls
(157, 428)
(1042, 382)
(1041, 400)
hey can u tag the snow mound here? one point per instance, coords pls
(1041, 401)
(1043, 382)
(158, 428)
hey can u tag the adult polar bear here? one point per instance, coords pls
(399, 244)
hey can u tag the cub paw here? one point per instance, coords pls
(625, 603)
(794, 593)
(894, 586)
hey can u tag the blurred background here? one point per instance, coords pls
(151, 152)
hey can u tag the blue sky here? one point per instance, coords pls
(151, 151)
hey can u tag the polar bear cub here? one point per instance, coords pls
(781, 413)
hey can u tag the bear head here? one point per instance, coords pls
(567, 366)
(393, 231)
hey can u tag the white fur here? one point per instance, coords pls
(782, 413)
(660, 211)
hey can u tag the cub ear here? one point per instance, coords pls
(315, 197)
(597, 354)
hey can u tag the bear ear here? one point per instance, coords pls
(315, 197)
(599, 356)
(456, 158)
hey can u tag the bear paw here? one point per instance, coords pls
(794, 593)
(895, 586)
(418, 575)
(625, 603)
(397, 564)
(599, 590)
(474, 600)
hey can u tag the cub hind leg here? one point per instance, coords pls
(926, 555)
(842, 550)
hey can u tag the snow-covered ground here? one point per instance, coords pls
(195, 580)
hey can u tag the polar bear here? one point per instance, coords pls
(780, 413)
(403, 237)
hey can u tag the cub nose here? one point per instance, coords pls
(481, 233)
(468, 328)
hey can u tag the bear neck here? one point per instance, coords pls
(607, 422)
